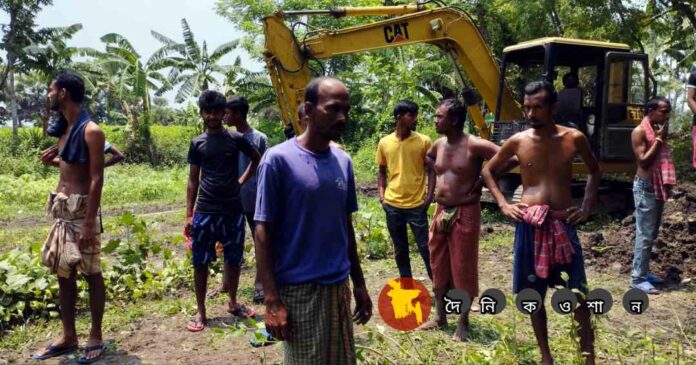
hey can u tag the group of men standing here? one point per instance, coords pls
(298, 199)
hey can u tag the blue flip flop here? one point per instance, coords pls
(654, 279)
(265, 340)
(53, 351)
(646, 287)
(83, 360)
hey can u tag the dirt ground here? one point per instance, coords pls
(151, 334)
(674, 253)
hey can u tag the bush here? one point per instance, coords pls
(30, 290)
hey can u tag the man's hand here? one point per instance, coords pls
(661, 131)
(88, 235)
(276, 320)
(48, 155)
(514, 211)
(578, 215)
(188, 226)
(363, 305)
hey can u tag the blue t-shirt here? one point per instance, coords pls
(307, 197)
(248, 190)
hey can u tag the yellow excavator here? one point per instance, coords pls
(607, 87)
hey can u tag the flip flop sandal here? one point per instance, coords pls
(646, 287)
(262, 338)
(53, 351)
(84, 360)
(242, 311)
(195, 325)
(654, 279)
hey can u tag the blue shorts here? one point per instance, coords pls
(208, 229)
(524, 274)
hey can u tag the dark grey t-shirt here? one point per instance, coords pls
(217, 154)
(248, 190)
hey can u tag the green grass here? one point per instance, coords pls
(124, 186)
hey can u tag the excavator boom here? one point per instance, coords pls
(450, 29)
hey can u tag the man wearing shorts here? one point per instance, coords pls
(214, 185)
(546, 243)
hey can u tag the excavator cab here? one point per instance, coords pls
(602, 91)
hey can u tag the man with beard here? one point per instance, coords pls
(73, 242)
(454, 234)
(401, 183)
(546, 243)
(214, 179)
(305, 243)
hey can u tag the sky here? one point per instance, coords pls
(134, 19)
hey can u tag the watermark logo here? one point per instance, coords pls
(404, 304)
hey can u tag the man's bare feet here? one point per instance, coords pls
(461, 333)
(433, 324)
(93, 351)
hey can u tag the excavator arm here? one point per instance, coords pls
(450, 29)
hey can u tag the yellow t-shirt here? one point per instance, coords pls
(405, 162)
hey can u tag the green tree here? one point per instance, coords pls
(18, 33)
(191, 66)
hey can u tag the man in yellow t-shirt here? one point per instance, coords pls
(402, 189)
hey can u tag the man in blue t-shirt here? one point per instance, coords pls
(214, 180)
(305, 243)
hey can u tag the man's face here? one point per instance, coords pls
(537, 111)
(55, 95)
(212, 118)
(661, 114)
(330, 115)
(409, 120)
(231, 117)
(443, 123)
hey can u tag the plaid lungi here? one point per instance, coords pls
(60, 252)
(320, 322)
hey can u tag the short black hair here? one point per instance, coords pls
(654, 103)
(238, 103)
(312, 91)
(300, 111)
(455, 109)
(403, 107)
(535, 87)
(211, 100)
(73, 83)
(570, 80)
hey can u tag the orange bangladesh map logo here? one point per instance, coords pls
(404, 304)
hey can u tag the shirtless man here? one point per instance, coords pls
(454, 233)
(73, 242)
(545, 152)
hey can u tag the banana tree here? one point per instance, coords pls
(191, 66)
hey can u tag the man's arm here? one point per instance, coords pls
(276, 318)
(116, 156)
(430, 158)
(363, 303)
(251, 169)
(691, 98)
(582, 145)
(486, 150)
(94, 137)
(382, 182)
(492, 168)
(645, 156)
(191, 194)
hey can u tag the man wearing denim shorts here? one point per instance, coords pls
(214, 179)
